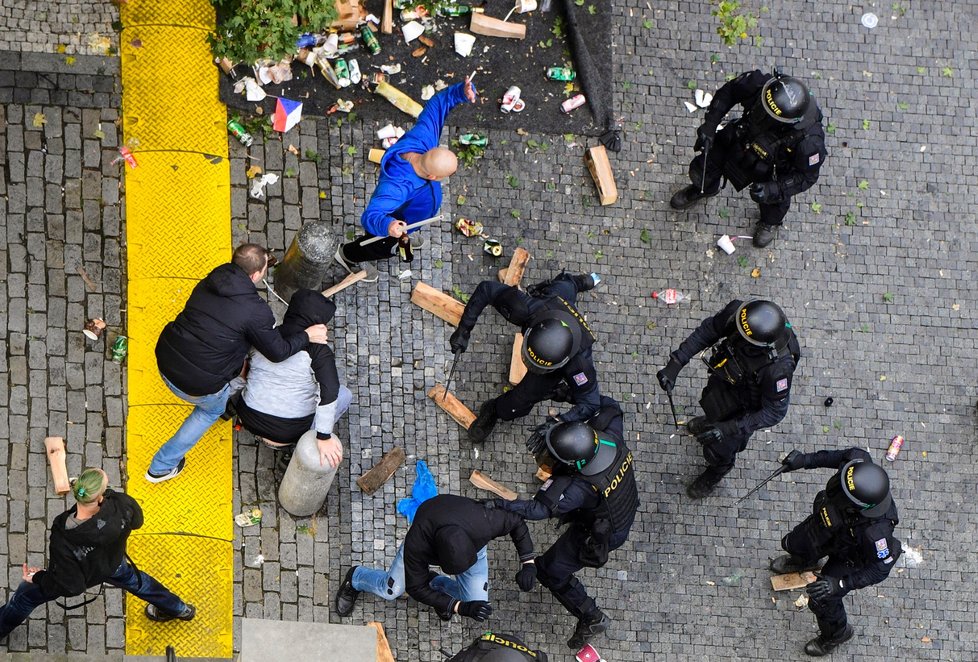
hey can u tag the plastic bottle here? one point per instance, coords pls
(670, 296)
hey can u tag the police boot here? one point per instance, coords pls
(588, 627)
(764, 234)
(697, 425)
(790, 563)
(689, 196)
(820, 646)
(699, 488)
(484, 422)
(346, 597)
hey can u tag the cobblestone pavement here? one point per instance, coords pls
(875, 268)
(72, 27)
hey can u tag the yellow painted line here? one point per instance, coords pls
(176, 562)
(177, 229)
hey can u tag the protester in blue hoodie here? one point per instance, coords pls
(409, 188)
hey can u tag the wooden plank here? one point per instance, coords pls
(55, 448)
(452, 405)
(517, 265)
(488, 26)
(484, 482)
(597, 162)
(381, 472)
(501, 274)
(517, 369)
(345, 283)
(384, 653)
(792, 580)
(438, 303)
(387, 22)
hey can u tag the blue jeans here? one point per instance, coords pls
(207, 409)
(473, 584)
(29, 597)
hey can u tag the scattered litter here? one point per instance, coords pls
(411, 31)
(287, 114)
(524, 6)
(94, 328)
(239, 132)
(802, 601)
(355, 75)
(911, 558)
(755, 272)
(896, 443)
(670, 296)
(464, 43)
(258, 561)
(405, 275)
(734, 579)
(125, 154)
(427, 41)
(419, 51)
(493, 247)
(703, 99)
(440, 85)
(366, 453)
(391, 69)
(923, 148)
(252, 90)
(955, 306)
(511, 101)
(925, 639)
(39, 120)
(476, 139)
(256, 170)
(709, 583)
(344, 105)
(248, 517)
(575, 101)
(258, 188)
(869, 20)
(427, 92)
(691, 107)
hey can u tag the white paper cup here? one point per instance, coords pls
(510, 99)
(523, 6)
(464, 43)
(386, 132)
(726, 244)
(412, 31)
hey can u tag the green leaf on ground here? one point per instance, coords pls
(644, 236)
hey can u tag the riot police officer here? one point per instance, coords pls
(753, 356)
(556, 348)
(495, 647)
(777, 147)
(593, 489)
(852, 524)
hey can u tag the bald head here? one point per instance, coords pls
(438, 163)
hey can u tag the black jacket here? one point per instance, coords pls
(866, 545)
(762, 401)
(520, 308)
(92, 551)
(481, 525)
(205, 347)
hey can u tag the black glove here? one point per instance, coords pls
(766, 193)
(459, 341)
(794, 460)
(667, 376)
(717, 432)
(526, 578)
(536, 443)
(493, 504)
(704, 138)
(478, 610)
(825, 587)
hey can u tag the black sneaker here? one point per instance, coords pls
(154, 614)
(587, 629)
(689, 196)
(764, 234)
(699, 488)
(346, 597)
(820, 646)
(172, 473)
(790, 563)
(483, 424)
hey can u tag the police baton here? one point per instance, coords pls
(450, 374)
(675, 419)
(706, 155)
(780, 470)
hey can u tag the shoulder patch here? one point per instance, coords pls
(580, 379)
(546, 485)
(782, 385)
(882, 548)
(814, 159)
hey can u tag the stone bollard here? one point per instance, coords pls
(306, 483)
(306, 260)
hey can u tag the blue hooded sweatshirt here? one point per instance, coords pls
(400, 194)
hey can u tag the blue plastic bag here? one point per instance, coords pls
(424, 488)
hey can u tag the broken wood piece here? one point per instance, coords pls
(55, 448)
(792, 580)
(452, 405)
(384, 653)
(438, 303)
(597, 162)
(349, 14)
(427, 41)
(381, 472)
(484, 482)
(375, 155)
(542, 475)
(517, 265)
(493, 27)
(345, 283)
(517, 369)
(501, 274)
(387, 22)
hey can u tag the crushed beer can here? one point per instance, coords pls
(493, 247)
(896, 443)
(248, 517)
(468, 227)
(369, 39)
(342, 72)
(239, 132)
(473, 139)
(565, 74)
(119, 349)
(575, 101)
(355, 75)
(125, 154)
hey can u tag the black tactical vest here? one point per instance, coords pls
(492, 641)
(618, 490)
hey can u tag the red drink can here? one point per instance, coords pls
(896, 443)
(575, 101)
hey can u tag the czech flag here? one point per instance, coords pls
(287, 114)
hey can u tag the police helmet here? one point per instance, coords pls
(550, 343)
(502, 655)
(865, 486)
(785, 99)
(573, 444)
(760, 323)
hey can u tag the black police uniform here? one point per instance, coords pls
(748, 388)
(861, 550)
(498, 647)
(600, 509)
(748, 150)
(577, 381)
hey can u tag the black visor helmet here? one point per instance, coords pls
(577, 445)
(551, 342)
(861, 486)
(785, 99)
(761, 323)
